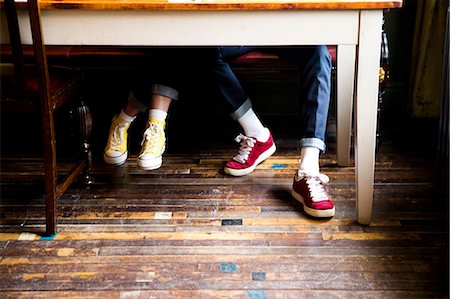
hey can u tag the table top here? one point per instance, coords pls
(216, 4)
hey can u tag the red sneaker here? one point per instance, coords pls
(309, 190)
(251, 153)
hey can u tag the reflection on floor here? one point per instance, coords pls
(187, 230)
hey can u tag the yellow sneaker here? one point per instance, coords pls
(153, 145)
(116, 151)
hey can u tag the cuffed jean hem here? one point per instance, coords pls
(311, 142)
(136, 103)
(165, 91)
(247, 105)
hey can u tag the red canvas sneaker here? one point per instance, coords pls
(251, 153)
(309, 190)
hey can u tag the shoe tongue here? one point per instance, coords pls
(319, 176)
(305, 174)
(160, 122)
(242, 137)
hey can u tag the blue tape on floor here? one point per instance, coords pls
(258, 276)
(231, 222)
(48, 238)
(228, 268)
(279, 166)
(256, 294)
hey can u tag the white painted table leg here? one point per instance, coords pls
(366, 102)
(345, 79)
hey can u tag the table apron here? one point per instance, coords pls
(194, 28)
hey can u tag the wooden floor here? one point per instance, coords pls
(187, 230)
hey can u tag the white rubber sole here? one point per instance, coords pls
(150, 164)
(261, 158)
(116, 161)
(315, 213)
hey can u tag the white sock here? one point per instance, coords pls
(310, 160)
(253, 127)
(126, 117)
(157, 114)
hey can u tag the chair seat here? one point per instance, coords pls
(24, 97)
(268, 59)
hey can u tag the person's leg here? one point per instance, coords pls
(153, 142)
(314, 107)
(308, 186)
(116, 149)
(315, 73)
(230, 90)
(257, 144)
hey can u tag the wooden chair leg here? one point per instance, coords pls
(84, 117)
(53, 191)
(378, 140)
(50, 175)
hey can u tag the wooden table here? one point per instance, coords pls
(354, 26)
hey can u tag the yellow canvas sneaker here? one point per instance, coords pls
(116, 151)
(153, 145)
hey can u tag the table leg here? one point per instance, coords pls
(345, 81)
(366, 102)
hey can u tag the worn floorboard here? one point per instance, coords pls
(187, 230)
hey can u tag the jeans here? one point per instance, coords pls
(314, 63)
(160, 89)
(168, 70)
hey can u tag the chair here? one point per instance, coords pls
(46, 87)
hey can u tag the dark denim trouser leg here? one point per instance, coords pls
(315, 72)
(315, 75)
(163, 73)
(228, 86)
(141, 101)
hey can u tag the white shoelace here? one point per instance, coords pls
(247, 144)
(150, 135)
(117, 136)
(315, 185)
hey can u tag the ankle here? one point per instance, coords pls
(263, 135)
(309, 161)
(157, 114)
(124, 116)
